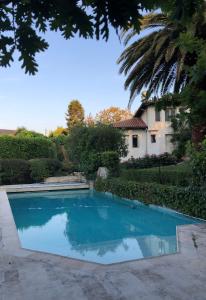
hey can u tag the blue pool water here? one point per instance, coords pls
(93, 226)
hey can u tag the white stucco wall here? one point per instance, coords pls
(162, 129)
(140, 150)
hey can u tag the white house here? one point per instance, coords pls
(149, 131)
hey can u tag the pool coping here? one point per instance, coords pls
(38, 187)
(11, 244)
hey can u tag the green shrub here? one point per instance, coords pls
(186, 200)
(44, 167)
(82, 141)
(173, 176)
(14, 171)
(90, 164)
(26, 148)
(110, 160)
(198, 163)
(69, 167)
(165, 159)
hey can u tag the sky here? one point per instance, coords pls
(70, 69)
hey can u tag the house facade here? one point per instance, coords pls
(149, 131)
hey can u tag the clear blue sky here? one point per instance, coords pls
(74, 69)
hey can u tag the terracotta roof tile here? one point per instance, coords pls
(135, 123)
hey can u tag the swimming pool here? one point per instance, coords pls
(93, 226)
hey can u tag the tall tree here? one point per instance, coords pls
(155, 61)
(112, 115)
(75, 114)
(23, 22)
(171, 57)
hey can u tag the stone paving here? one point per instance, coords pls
(29, 275)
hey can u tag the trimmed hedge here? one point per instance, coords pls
(26, 148)
(162, 176)
(43, 167)
(150, 161)
(14, 171)
(185, 200)
(17, 171)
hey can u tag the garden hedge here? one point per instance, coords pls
(150, 161)
(14, 171)
(42, 168)
(163, 176)
(19, 171)
(26, 148)
(186, 200)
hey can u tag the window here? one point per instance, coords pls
(153, 138)
(169, 113)
(157, 115)
(135, 141)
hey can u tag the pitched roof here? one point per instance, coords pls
(134, 123)
(7, 131)
(142, 107)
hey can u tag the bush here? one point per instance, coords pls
(43, 168)
(110, 160)
(198, 163)
(173, 176)
(14, 171)
(69, 167)
(86, 144)
(186, 200)
(26, 148)
(165, 159)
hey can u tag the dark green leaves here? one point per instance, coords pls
(23, 20)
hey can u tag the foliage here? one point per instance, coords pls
(165, 159)
(85, 140)
(14, 171)
(42, 168)
(92, 161)
(90, 120)
(89, 164)
(25, 33)
(175, 175)
(22, 132)
(69, 167)
(154, 61)
(182, 132)
(25, 147)
(75, 114)
(23, 22)
(198, 163)
(86, 144)
(110, 160)
(186, 200)
(58, 132)
(59, 142)
(112, 115)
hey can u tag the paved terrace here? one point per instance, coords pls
(29, 275)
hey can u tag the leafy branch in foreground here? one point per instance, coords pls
(22, 23)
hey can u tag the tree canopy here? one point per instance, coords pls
(23, 22)
(75, 114)
(112, 115)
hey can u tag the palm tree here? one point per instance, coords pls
(156, 61)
